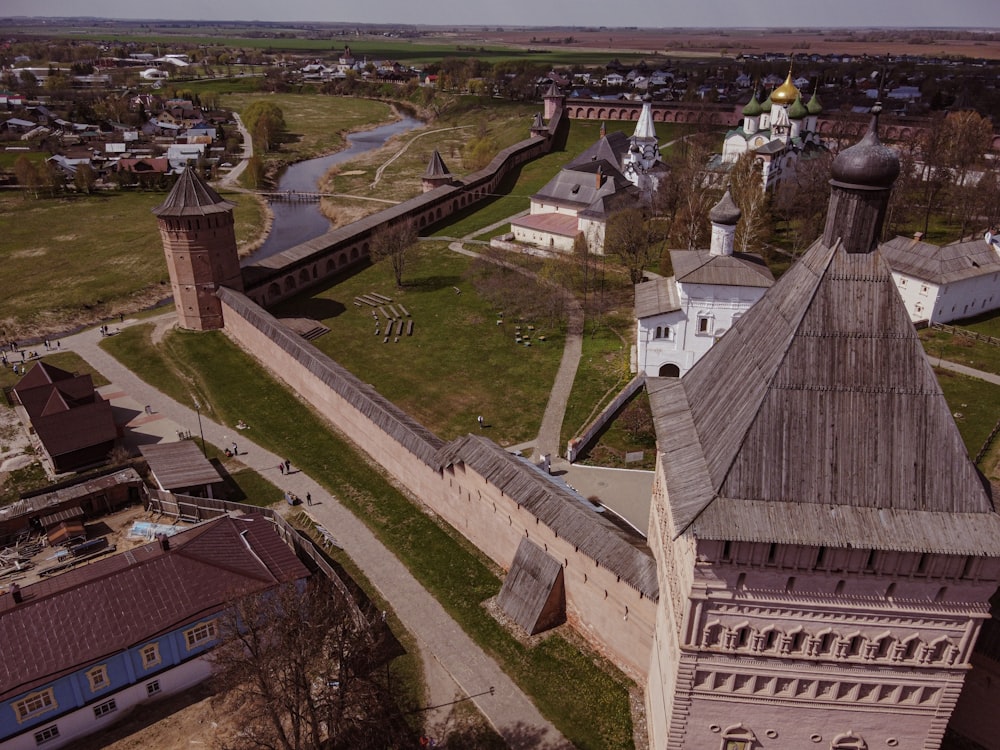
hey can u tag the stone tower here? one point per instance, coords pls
(826, 550)
(436, 174)
(199, 240)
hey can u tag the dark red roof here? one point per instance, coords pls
(81, 617)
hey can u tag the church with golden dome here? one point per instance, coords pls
(778, 131)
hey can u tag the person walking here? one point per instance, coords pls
(235, 450)
(309, 499)
(281, 468)
(288, 466)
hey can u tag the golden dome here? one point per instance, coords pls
(786, 93)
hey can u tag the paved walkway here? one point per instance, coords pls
(944, 364)
(457, 668)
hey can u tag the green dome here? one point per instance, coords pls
(814, 107)
(798, 110)
(765, 106)
(752, 109)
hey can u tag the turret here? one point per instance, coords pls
(751, 115)
(199, 240)
(862, 180)
(725, 215)
(437, 173)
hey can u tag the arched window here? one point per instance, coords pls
(670, 371)
(849, 741)
(738, 737)
(713, 635)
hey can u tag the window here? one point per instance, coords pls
(200, 634)
(923, 289)
(849, 741)
(150, 655)
(102, 709)
(44, 735)
(98, 678)
(34, 704)
(738, 738)
(704, 324)
(152, 688)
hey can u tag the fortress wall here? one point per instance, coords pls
(598, 598)
(286, 274)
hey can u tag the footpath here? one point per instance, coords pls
(457, 669)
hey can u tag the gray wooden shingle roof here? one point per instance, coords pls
(192, 196)
(738, 269)
(395, 422)
(656, 296)
(531, 588)
(817, 419)
(558, 507)
(941, 265)
(179, 465)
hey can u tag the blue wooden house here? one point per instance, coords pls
(82, 648)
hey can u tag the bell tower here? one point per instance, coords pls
(199, 240)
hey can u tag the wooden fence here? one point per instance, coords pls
(581, 441)
(967, 333)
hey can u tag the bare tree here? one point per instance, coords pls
(627, 236)
(393, 242)
(801, 200)
(967, 137)
(304, 675)
(746, 184)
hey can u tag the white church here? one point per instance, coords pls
(616, 172)
(679, 318)
(778, 132)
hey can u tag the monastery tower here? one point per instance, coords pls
(199, 240)
(826, 550)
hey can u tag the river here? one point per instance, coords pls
(298, 222)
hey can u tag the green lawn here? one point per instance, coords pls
(587, 702)
(82, 258)
(976, 406)
(963, 350)
(458, 363)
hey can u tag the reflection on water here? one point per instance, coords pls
(295, 223)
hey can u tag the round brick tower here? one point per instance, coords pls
(199, 240)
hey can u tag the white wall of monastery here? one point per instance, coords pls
(925, 300)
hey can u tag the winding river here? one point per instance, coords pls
(298, 222)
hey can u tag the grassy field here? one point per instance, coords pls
(316, 123)
(976, 406)
(964, 350)
(587, 702)
(78, 259)
(457, 365)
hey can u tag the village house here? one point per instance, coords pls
(152, 615)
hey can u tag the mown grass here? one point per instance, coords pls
(976, 407)
(588, 703)
(80, 258)
(457, 365)
(963, 350)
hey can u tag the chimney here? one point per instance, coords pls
(15, 593)
(599, 178)
(164, 541)
(918, 236)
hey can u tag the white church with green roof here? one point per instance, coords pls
(778, 131)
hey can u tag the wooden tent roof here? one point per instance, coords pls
(532, 593)
(738, 269)
(818, 420)
(192, 196)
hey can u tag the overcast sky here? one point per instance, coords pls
(642, 13)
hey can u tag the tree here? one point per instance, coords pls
(84, 179)
(305, 673)
(392, 242)
(746, 185)
(627, 236)
(967, 137)
(266, 122)
(801, 199)
(27, 174)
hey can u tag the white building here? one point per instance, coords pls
(678, 319)
(778, 132)
(616, 172)
(940, 284)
